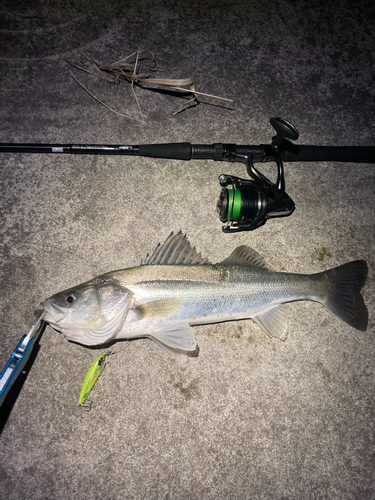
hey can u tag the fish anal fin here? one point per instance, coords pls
(177, 336)
(245, 256)
(274, 321)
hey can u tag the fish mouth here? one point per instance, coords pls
(53, 312)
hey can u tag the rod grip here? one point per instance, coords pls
(174, 151)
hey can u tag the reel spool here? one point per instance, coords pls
(246, 206)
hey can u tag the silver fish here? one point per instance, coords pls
(176, 288)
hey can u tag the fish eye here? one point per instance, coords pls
(70, 297)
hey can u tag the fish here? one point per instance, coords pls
(175, 288)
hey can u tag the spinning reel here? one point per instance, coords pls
(245, 204)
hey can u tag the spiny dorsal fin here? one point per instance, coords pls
(176, 250)
(245, 256)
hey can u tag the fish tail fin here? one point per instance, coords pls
(346, 300)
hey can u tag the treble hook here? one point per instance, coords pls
(89, 406)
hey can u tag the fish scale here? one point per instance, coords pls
(242, 294)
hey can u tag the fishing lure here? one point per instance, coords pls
(92, 376)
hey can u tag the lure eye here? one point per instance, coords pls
(70, 297)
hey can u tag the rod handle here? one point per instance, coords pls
(174, 151)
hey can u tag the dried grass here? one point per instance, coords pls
(128, 68)
(103, 104)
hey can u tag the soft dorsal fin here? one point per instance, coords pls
(245, 256)
(176, 250)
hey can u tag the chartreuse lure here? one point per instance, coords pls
(92, 376)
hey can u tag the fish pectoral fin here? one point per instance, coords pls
(178, 336)
(157, 308)
(274, 321)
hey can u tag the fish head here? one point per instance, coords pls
(91, 313)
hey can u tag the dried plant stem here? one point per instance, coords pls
(102, 103)
(135, 97)
(202, 93)
(84, 69)
(127, 68)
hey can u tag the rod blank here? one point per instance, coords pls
(218, 152)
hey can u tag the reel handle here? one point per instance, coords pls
(284, 130)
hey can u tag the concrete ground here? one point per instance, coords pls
(250, 417)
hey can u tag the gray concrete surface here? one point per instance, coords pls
(250, 417)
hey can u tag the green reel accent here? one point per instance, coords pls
(236, 207)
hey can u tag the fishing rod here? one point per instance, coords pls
(243, 204)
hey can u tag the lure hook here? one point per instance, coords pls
(89, 406)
